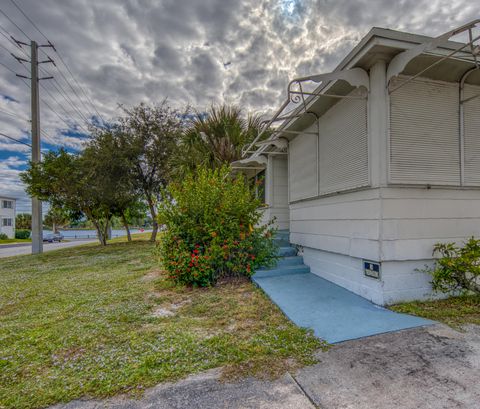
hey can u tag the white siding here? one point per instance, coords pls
(347, 224)
(424, 136)
(343, 151)
(472, 136)
(303, 161)
(414, 219)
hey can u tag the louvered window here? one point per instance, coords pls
(302, 166)
(424, 137)
(471, 111)
(343, 146)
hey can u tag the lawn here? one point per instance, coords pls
(93, 322)
(13, 241)
(454, 311)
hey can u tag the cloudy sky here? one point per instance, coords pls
(194, 52)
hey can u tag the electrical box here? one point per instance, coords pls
(371, 269)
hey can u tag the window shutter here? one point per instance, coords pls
(343, 146)
(471, 115)
(302, 166)
(424, 138)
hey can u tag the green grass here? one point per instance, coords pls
(12, 241)
(454, 311)
(87, 322)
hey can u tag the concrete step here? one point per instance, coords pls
(281, 242)
(284, 270)
(287, 251)
(283, 235)
(289, 261)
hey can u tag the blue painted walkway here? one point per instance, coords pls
(334, 313)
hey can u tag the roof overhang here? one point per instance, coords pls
(406, 53)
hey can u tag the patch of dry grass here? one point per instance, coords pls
(81, 322)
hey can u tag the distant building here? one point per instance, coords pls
(7, 216)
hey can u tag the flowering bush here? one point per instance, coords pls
(458, 267)
(212, 229)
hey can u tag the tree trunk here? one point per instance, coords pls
(125, 224)
(153, 213)
(105, 232)
(54, 227)
(101, 238)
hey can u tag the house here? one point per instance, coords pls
(372, 164)
(7, 216)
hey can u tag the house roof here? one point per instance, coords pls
(8, 198)
(385, 44)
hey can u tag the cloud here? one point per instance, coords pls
(132, 51)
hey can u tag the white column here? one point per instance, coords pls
(378, 108)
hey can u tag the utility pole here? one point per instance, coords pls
(37, 221)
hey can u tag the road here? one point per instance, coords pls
(9, 250)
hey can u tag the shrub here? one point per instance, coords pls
(212, 229)
(22, 234)
(458, 268)
(3, 236)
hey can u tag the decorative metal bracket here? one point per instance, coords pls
(400, 61)
(356, 77)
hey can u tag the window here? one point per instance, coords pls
(7, 223)
(7, 204)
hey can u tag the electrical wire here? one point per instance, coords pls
(14, 139)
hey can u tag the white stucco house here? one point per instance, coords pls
(371, 165)
(7, 216)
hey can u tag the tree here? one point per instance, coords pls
(56, 218)
(106, 157)
(147, 137)
(23, 221)
(68, 183)
(215, 138)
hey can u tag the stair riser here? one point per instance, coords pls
(290, 261)
(287, 251)
(281, 243)
(278, 273)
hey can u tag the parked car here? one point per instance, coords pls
(52, 237)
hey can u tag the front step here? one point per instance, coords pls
(289, 261)
(286, 251)
(283, 270)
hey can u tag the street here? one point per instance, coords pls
(10, 250)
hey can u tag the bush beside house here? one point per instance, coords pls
(212, 229)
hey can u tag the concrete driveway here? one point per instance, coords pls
(432, 367)
(9, 250)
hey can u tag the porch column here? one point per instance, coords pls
(378, 109)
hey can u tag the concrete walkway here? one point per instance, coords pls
(26, 248)
(433, 367)
(334, 313)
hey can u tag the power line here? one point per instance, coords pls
(29, 19)
(59, 56)
(13, 114)
(16, 140)
(7, 67)
(15, 24)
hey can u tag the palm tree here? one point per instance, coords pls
(216, 137)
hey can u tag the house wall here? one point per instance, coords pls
(335, 233)
(415, 199)
(6, 213)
